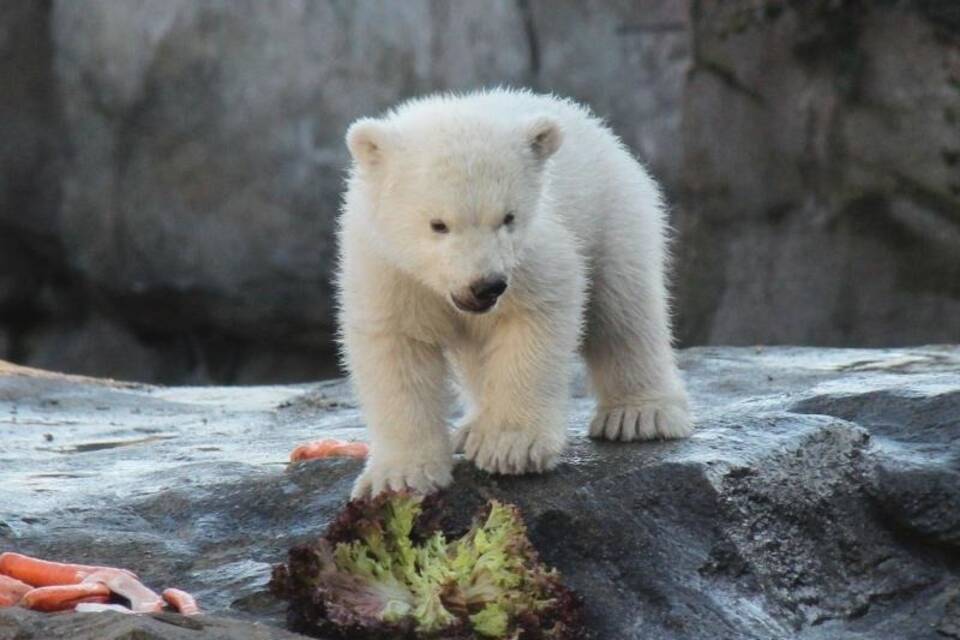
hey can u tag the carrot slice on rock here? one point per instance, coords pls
(181, 601)
(58, 598)
(142, 599)
(352, 450)
(43, 573)
(12, 590)
(329, 448)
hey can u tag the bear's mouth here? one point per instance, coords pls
(472, 305)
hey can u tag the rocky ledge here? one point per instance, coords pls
(819, 498)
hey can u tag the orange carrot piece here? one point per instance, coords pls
(43, 573)
(329, 448)
(353, 450)
(40, 573)
(58, 598)
(142, 599)
(181, 601)
(11, 590)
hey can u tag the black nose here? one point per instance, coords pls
(488, 289)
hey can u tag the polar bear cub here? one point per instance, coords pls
(487, 238)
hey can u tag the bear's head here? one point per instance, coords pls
(452, 198)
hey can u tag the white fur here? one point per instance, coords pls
(584, 260)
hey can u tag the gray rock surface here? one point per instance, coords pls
(818, 498)
(29, 117)
(20, 624)
(821, 174)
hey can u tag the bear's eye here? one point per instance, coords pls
(439, 226)
(508, 219)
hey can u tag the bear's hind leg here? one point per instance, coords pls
(640, 395)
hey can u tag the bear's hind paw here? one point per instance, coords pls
(650, 420)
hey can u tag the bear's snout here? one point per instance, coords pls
(488, 288)
(483, 295)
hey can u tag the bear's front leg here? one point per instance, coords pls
(519, 387)
(401, 383)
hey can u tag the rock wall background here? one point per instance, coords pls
(821, 171)
(170, 170)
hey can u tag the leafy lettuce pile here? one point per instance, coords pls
(385, 569)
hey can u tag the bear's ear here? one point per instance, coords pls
(543, 136)
(365, 139)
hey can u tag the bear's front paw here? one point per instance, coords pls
(508, 451)
(644, 420)
(420, 476)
